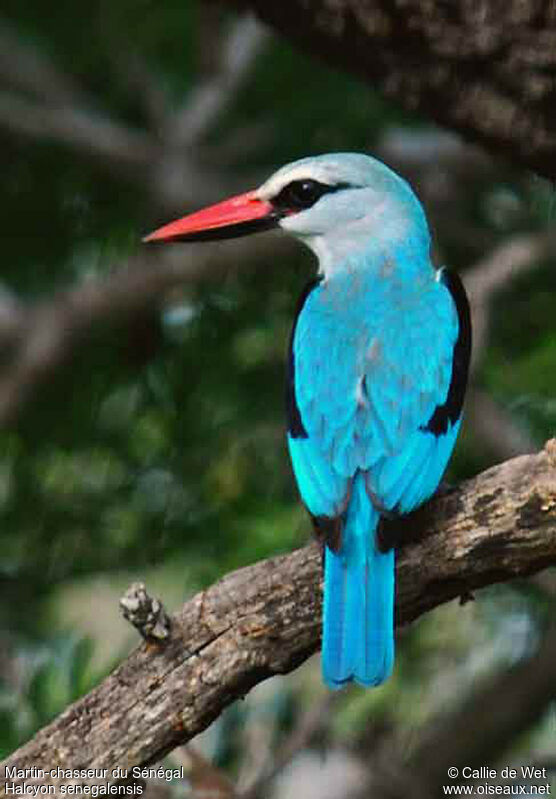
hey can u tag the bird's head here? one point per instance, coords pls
(337, 204)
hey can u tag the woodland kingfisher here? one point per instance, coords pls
(377, 370)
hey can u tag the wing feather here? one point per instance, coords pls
(369, 373)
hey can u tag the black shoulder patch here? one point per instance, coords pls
(295, 423)
(450, 410)
(328, 530)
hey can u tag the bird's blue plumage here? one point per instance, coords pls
(358, 600)
(377, 370)
(371, 366)
(372, 361)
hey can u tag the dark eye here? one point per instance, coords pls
(300, 194)
(304, 193)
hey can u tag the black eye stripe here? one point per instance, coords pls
(302, 194)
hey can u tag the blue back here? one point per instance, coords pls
(372, 359)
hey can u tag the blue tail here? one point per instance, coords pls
(358, 616)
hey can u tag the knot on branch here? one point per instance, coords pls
(146, 613)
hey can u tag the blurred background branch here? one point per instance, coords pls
(486, 71)
(478, 731)
(234, 55)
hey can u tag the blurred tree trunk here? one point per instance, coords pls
(483, 68)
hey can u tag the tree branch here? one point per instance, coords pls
(498, 431)
(51, 105)
(481, 68)
(207, 102)
(26, 67)
(134, 74)
(476, 732)
(39, 101)
(79, 129)
(314, 718)
(512, 259)
(265, 619)
(502, 707)
(38, 339)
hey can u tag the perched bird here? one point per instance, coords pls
(377, 370)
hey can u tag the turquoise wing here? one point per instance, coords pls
(376, 382)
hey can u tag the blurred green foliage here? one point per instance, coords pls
(164, 438)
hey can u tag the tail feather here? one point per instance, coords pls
(358, 622)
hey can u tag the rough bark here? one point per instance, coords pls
(486, 68)
(265, 619)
